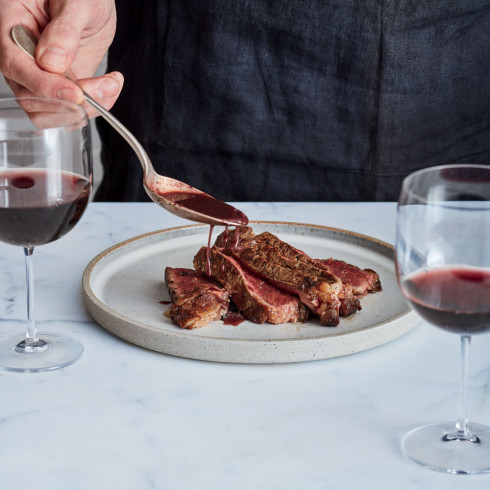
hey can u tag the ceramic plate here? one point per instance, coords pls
(124, 287)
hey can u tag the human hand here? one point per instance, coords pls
(73, 36)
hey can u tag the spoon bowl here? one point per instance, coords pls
(176, 197)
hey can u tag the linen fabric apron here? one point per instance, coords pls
(298, 100)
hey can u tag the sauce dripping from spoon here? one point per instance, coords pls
(211, 207)
(208, 259)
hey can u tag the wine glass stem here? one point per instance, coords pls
(461, 431)
(31, 335)
(462, 422)
(31, 343)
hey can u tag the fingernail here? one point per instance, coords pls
(108, 88)
(54, 56)
(68, 94)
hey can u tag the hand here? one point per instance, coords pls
(73, 35)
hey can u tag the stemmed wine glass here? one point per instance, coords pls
(45, 183)
(443, 269)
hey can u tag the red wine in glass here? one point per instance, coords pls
(456, 298)
(31, 214)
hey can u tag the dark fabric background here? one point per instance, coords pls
(298, 100)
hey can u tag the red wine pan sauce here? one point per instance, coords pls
(233, 318)
(454, 298)
(209, 206)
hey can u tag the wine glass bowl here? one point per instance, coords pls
(45, 184)
(443, 269)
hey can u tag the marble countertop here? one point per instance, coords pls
(128, 418)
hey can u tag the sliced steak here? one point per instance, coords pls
(196, 299)
(291, 270)
(362, 281)
(320, 294)
(297, 259)
(256, 299)
(356, 282)
(264, 274)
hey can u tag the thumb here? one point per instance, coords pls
(58, 45)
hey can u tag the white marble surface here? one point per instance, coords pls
(127, 418)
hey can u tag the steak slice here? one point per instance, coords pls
(289, 269)
(237, 238)
(196, 299)
(297, 259)
(317, 291)
(363, 281)
(318, 294)
(256, 299)
(267, 250)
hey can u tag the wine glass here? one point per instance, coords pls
(443, 269)
(45, 183)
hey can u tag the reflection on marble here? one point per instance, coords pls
(127, 418)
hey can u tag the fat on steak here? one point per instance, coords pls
(362, 281)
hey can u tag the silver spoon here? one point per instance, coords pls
(175, 196)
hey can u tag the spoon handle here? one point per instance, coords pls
(122, 130)
(27, 42)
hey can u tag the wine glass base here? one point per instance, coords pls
(426, 446)
(53, 352)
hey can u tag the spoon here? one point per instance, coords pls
(177, 197)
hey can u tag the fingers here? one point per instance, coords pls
(59, 43)
(105, 90)
(44, 114)
(25, 76)
(74, 35)
(77, 36)
(26, 79)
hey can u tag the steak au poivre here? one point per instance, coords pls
(267, 280)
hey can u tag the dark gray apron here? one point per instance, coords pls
(298, 100)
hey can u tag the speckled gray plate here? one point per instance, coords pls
(123, 287)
